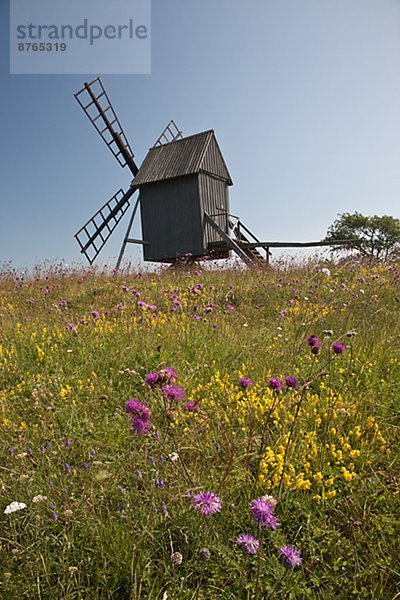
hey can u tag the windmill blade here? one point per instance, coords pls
(170, 134)
(95, 233)
(96, 104)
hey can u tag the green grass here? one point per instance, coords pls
(117, 506)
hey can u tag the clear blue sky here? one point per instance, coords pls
(304, 97)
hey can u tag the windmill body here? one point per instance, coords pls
(179, 182)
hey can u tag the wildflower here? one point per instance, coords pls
(326, 272)
(290, 556)
(140, 415)
(351, 334)
(167, 375)
(138, 473)
(291, 382)
(174, 456)
(171, 392)
(191, 407)
(121, 507)
(67, 468)
(160, 483)
(176, 559)
(54, 516)
(39, 498)
(164, 509)
(68, 443)
(204, 554)
(207, 503)
(135, 408)
(14, 507)
(141, 426)
(249, 543)
(328, 332)
(276, 384)
(262, 513)
(245, 382)
(95, 314)
(314, 344)
(152, 379)
(338, 348)
(230, 308)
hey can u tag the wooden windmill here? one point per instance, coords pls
(183, 186)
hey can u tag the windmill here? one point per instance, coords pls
(183, 194)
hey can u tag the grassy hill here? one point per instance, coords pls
(267, 405)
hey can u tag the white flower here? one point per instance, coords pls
(39, 498)
(14, 507)
(173, 456)
(326, 272)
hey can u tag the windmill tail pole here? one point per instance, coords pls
(300, 244)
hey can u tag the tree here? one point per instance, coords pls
(376, 237)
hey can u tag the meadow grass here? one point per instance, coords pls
(110, 501)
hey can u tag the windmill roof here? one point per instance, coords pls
(187, 156)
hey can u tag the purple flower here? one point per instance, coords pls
(291, 382)
(167, 375)
(314, 344)
(152, 379)
(263, 513)
(230, 308)
(68, 443)
(207, 503)
(140, 415)
(275, 384)
(172, 392)
(141, 426)
(54, 516)
(191, 407)
(67, 468)
(137, 409)
(160, 483)
(245, 382)
(338, 348)
(249, 543)
(290, 556)
(95, 314)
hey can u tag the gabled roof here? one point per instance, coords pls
(187, 156)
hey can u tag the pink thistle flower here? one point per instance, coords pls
(291, 382)
(135, 408)
(338, 348)
(275, 384)
(314, 344)
(249, 543)
(290, 556)
(167, 375)
(207, 503)
(245, 382)
(171, 392)
(263, 514)
(152, 379)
